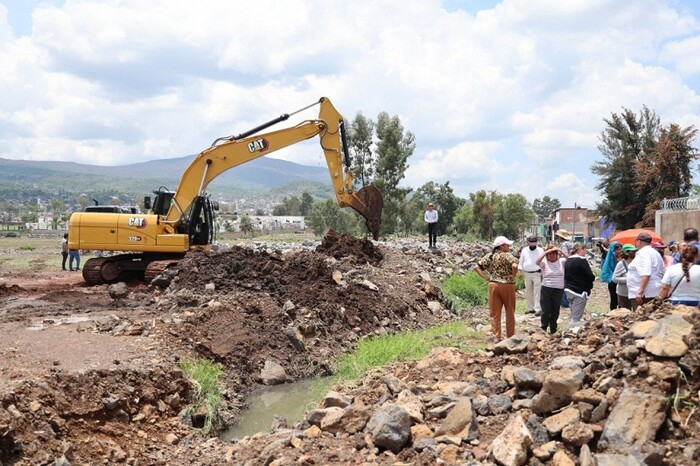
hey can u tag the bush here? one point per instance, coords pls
(11, 234)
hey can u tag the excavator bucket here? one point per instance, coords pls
(369, 203)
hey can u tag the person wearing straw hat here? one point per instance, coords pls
(499, 268)
(565, 244)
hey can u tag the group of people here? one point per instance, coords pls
(561, 276)
(639, 273)
(70, 255)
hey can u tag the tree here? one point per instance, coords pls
(289, 206)
(463, 218)
(259, 212)
(306, 202)
(512, 216)
(360, 142)
(393, 150)
(328, 215)
(545, 206)
(665, 171)
(58, 209)
(484, 207)
(247, 225)
(624, 142)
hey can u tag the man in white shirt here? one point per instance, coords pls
(645, 272)
(532, 274)
(431, 218)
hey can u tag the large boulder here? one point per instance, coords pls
(390, 427)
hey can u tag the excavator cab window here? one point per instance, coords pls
(201, 221)
(162, 202)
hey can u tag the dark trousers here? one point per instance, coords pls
(432, 233)
(612, 290)
(65, 258)
(550, 300)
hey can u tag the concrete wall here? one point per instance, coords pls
(670, 224)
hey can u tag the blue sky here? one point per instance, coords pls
(507, 95)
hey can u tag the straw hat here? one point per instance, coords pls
(563, 234)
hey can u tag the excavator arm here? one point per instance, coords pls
(230, 152)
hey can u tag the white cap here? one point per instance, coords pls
(500, 241)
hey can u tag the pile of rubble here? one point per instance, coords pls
(621, 391)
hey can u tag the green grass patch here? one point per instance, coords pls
(204, 375)
(380, 351)
(470, 290)
(465, 291)
(26, 248)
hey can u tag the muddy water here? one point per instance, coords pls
(289, 401)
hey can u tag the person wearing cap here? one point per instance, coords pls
(532, 274)
(644, 272)
(681, 282)
(620, 275)
(578, 281)
(431, 218)
(499, 268)
(612, 258)
(660, 247)
(552, 263)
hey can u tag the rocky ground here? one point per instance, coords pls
(90, 375)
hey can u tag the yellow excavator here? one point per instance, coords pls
(183, 220)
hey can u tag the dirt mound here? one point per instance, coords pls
(300, 309)
(10, 290)
(340, 245)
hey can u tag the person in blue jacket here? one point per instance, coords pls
(608, 268)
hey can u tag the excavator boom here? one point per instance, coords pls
(227, 153)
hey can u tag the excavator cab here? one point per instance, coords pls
(161, 204)
(199, 224)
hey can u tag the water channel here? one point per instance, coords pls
(288, 400)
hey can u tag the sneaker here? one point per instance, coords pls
(538, 313)
(531, 311)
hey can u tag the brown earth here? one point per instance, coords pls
(71, 350)
(87, 379)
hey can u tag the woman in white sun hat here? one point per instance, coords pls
(499, 268)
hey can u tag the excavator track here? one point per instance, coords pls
(92, 269)
(100, 270)
(155, 268)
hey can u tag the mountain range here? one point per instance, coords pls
(262, 177)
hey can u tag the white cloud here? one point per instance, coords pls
(505, 98)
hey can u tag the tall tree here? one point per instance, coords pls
(463, 218)
(247, 225)
(625, 140)
(360, 140)
(545, 206)
(666, 170)
(512, 216)
(393, 150)
(58, 209)
(484, 205)
(306, 203)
